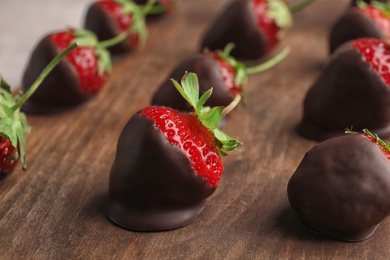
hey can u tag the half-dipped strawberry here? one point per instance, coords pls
(254, 26)
(109, 18)
(167, 163)
(76, 80)
(13, 123)
(341, 187)
(218, 69)
(353, 90)
(361, 21)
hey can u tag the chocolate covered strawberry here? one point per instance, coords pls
(362, 21)
(218, 69)
(13, 123)
(77, 79)
(110, 18)
(167, 163)
(352, 90)
(341, 187)
(254, 26)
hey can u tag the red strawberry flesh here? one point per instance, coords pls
(383, 149)
(377, 53)
(83, 60)
(378, 17)
(266, 23)
(8, 157)
(122, 19)
(227, 73)
(186, 132)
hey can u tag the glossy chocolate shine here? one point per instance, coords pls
(348, 93)
(341, 188)
(237, 24)
(152, 183)
(209, 75)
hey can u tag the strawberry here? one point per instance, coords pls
(254, 26)
(352, 90)
(167, 163)
(13, 123)
(217, 69)
(361, 21)
(109, 18)
(77, 79)
(341, 187)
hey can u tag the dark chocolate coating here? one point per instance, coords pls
(209, 75)
(59, 91)
(353, 25)
(152, 183)
(237, 24)
(341, 188)
(105, 27)
(348, 93)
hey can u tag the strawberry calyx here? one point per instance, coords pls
(385, 147)
(138, 14)
(209, 117)
(381, 6)
(280, 13)
(241, 71)
(13, 123)
(86, 38)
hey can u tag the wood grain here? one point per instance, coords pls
(56, 209)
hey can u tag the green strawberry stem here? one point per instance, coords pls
(296, 7)
(146, 9)
(41, 77)
(113, 41)
(232, 105)
(269, 63)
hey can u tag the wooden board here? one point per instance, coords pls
(56, 209)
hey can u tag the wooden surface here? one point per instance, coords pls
(56, 209)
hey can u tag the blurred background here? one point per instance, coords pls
(24, 22)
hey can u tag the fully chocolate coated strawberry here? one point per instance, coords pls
(364, 20)
(352, 91)
(341, 188)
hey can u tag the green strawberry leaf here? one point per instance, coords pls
(212, 117)
(280, 13)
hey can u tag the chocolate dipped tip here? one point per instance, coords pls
(143, 220)
(209, 75)
(341, 187)
(353, 24)
(152, 185)
(347, 94)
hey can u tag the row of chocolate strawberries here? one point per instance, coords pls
(206, 161)
(167, 163)
(77, 78)
(341, 187)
